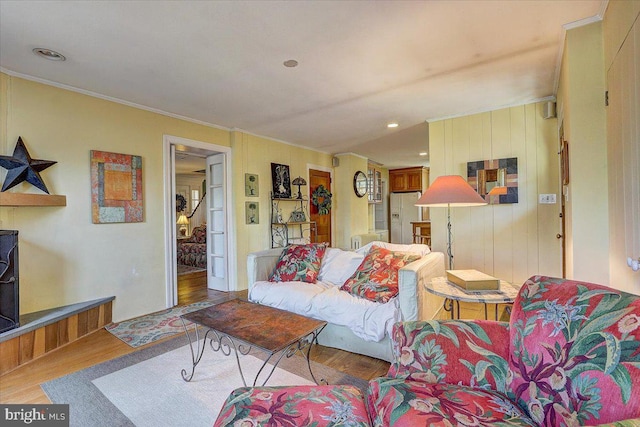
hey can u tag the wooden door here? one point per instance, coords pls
(322, 232)
(217, 223)
(564, 179)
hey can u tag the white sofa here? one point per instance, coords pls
(354, 324)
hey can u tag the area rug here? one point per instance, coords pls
(145, 388)
(186, 269)
(155, 326)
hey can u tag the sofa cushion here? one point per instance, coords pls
(415, 248)
(575, 352)
(472, 353)
(334, 405)
(403, 403)
(291, 296)
(338, 265)
(369, 320)
(299, 263)
(376, 278)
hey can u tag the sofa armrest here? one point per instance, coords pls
(261, 264)
(415, 302)
(473, 353)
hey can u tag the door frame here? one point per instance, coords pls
(170, 229)
(330, 170)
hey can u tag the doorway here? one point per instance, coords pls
(322, 232)
(219, 239)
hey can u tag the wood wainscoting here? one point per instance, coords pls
(51, 329)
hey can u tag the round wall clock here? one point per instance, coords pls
(360, 184)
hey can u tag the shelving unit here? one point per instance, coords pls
(25, 199)
(283, 232)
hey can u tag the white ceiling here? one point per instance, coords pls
(362, 63)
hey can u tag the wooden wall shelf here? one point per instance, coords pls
(22, 199)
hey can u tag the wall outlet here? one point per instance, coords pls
(547, 199)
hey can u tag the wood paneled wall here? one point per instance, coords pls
(622, 52)
(34, 344)
(512, 241)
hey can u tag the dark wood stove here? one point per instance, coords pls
(9, 283)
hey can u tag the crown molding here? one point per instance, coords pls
(487, 110)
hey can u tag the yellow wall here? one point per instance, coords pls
(621, 32)
(511, 241)
(351, 210)
(582, 112)
(253, 154)
(64, 257)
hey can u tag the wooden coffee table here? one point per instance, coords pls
(237, 326)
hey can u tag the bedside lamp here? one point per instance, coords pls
(299, 181)
(183, 222)
(447, 191)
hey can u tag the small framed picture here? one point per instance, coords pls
(251, 186)
(252, 212)
(281, 181)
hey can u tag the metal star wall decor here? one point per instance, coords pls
(22, 167)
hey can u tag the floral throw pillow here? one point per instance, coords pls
(299, 263)
(376, 279)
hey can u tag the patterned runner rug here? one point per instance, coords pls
(155, 326)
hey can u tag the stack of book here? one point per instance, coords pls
(473, 280)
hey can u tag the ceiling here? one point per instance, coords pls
(362, 64)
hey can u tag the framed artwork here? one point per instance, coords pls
(281, 181)
(252, 212)
(116, 188)
(251, 185)
(501, 174)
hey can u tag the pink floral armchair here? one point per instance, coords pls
(569, 356)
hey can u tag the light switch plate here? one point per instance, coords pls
(547, 199)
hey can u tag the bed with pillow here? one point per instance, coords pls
(361, 293)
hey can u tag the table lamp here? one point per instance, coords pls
(450, 190)
(183, 222)
(299, 181)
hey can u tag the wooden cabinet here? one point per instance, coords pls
(408, 179)
(374, 181)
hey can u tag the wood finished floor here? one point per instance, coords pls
(22, 385)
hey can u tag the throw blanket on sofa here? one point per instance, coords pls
(324, 300)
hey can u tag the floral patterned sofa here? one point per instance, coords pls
(569, 356)
(193, 251)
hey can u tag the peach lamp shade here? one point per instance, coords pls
(450, 190)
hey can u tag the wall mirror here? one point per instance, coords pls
(360, 184)
(495, 180)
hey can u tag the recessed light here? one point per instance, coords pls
(423, 153)
(392, 125)
(290, 63)
(49, 54)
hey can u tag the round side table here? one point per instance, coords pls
(450, 292)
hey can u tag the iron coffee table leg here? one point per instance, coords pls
(298, 346)
(195, 355)
(217, 342)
